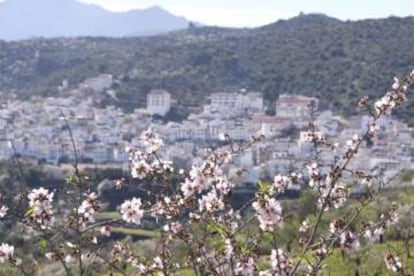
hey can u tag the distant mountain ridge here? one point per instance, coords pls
(24, 19)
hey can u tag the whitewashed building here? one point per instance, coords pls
(98, 84)
(158, 102)
(252, 101)
(296, 106)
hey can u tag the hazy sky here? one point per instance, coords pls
(240, 13)
(258, 12)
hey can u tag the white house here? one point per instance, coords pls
(237, 101)
(158, 102)
(295, 106)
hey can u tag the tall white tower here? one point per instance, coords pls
(158, 102)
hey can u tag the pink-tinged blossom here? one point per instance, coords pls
(118, 184)
(106, 230)
(69, 258)
(258, 136)
(396, 83)
(223, 155)
(211, 202)
(200, 179)
(51, 256)
(173, 227)
(332, 197)
(336, 226)
(188, 188)
(88, 208)
(348, 240)
(280, 262)
(304, 226)
(393, 263)
(6, 252)
(373, 129)
(94, 240)
(200, 174)
(312, 137)
(391, 99)
(245, 268)
(268, 212)
(223, 136)
(321, 251)
(392, 217)
(151, 140)
(142, 269)
(131, 211)
(157, 263)
(373, 235)
(158, 210)
(161, 166)
(40, 200)
(194, 216)
(352, 146)
(3, 211)
(314, 174)
(281, 183)
(228, 249)
(140, 169)
(223, 186)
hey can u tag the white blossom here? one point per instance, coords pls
(157, 263)
(140, 169)
(281, 182)
(228, 249)
(313, 171)
(223, 186)
(393, 263)
(348, 240)
(51, 256)
(131, 211)
(211, 202)
(151, 141)
(245, 268)
(280, 262)
(304, 226)
(268, 212)
(174, 227)
(3, 211)
(88, 208)
(40, 200)
(6, 252)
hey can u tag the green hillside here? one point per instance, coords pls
(339, 62)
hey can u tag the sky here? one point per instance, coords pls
(252, 13)
(249, 13)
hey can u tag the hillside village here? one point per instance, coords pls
(36, 129)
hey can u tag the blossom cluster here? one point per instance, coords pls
(347, 239)
(313, 137)
(6, 252)
(393, 263)
(3, 211)
(269, 213)
(145, 163)
(88, 208)
(131, 211)
(40, 202)
(151, 141)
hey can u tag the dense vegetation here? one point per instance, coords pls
(311, 54)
